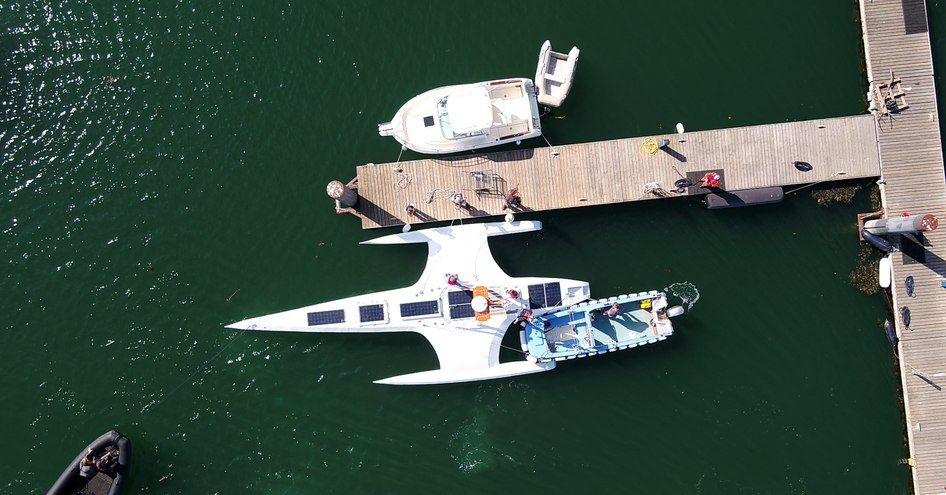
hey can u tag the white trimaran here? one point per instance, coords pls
(465, 325)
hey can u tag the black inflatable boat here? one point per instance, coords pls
(100, 469)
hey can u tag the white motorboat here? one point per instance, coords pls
(554, 74)
(467, 117)
(464, 317)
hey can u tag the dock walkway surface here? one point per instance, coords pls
(619, 170)
(899, 62)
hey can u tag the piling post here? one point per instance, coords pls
(342, 193)
(902, 225)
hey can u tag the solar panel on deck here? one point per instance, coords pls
(545, 295)
(536, 296)
(326, 317)
(459, 297)
(419, 308)
(553, 294)
(461, 311)
(373, 312)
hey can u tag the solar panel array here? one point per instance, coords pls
(536, 296)
(461, 311)
(371, 312)
(553, 294)
(326, 317)
(420, 308)
(545, 295)
(460, 297)
(460, 304)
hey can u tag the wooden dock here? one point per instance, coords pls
(618, 170)
(897, 47)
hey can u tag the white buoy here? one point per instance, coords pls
(407, 228)
(679, 128)
(510, 218)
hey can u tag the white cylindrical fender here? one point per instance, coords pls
(884, 272)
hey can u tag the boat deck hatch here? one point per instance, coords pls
(429, 121)
(326, 317)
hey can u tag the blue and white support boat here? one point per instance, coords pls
(598, 327)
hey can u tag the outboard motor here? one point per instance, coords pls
(387, 129)
(675, 311)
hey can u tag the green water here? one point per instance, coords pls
(163, 174)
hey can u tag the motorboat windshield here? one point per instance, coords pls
(465, 114)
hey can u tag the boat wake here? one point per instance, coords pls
(686, 291)
(471, 446)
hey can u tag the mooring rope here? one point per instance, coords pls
(839, 172)
(551, 148)
(403, 180)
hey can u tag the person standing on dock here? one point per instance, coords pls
(710, 180)
(410, 209)
(513, 199)
(459, 200)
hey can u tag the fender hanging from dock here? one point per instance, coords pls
(745, 197)
(877, 241)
